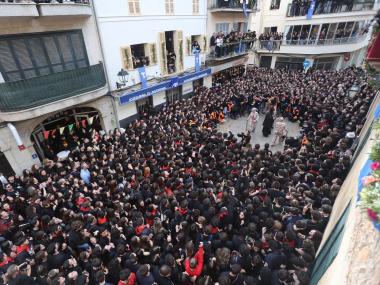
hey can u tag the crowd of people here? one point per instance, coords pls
(270, 41)
(223, 44)
(170, 200)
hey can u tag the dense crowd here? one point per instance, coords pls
(170, 200)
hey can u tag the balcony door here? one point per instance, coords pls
(5, 167)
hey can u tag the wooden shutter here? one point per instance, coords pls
(164, 66)
(204, 50)
(180, 51)
(188, 45)
(171, 6)
(153, 53)
(137, 7)
(126, 57)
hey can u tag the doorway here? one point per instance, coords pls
(174, 94)
(144, 107)
(5, 167)
(64, 131)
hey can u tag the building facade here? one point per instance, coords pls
(52, 85)
(328, 34)
(156, 37)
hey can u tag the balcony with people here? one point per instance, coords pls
(300, 8)
(320, 38)
(232, 6)
(41, 8)
(229, 45)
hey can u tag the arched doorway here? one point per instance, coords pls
(63, 130)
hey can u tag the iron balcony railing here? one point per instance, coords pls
(232, 49)
(45, 1)
(325, 42)
(230, 4)
(276, 44)
(269, 45)
(37, 91)
(295, 9)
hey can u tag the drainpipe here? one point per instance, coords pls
(114, 108)
(15, 134)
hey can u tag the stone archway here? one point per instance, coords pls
(61, 131)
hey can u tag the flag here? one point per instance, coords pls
(310, 12)
(71, 126)
(46, 134)
(143, 77)
(245, 9)
(84, 123)
(197, 61)
(53, 132)
(90, 120)
(61, 130)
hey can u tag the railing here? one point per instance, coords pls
(338, 41)
(269, 45)
(46, 1)
(231, 4)
(28, 93)
(232, 49)
(295, 10)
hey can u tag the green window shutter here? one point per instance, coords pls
(330, 248)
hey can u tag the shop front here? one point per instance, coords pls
(157, 95)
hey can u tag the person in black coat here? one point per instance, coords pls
(268, 123)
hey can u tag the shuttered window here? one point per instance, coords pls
(195, 7)
(27, 56)
(169, 7)
(134, 7)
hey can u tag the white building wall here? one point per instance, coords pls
(119, 29)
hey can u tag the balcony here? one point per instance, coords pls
(11, 9)
(314, 46)
(229, 6)
(81, 8)
(295, 9)
(30, 93)
(229, 51)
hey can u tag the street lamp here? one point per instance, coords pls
(123, 77)
(353, 91)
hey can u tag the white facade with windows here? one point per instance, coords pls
(155, 34)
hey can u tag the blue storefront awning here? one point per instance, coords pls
(162, 86)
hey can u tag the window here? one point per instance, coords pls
(195, 7)
(27, 56)
(139, 55)
(169, 7)
(222, 28)
(275, 4)
(134, 7)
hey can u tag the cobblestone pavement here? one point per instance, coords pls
(239, 125)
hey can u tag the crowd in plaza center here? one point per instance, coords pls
(170, 200)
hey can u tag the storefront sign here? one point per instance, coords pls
(163, 86)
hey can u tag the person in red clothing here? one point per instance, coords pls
(194, 265)
(127, 278)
